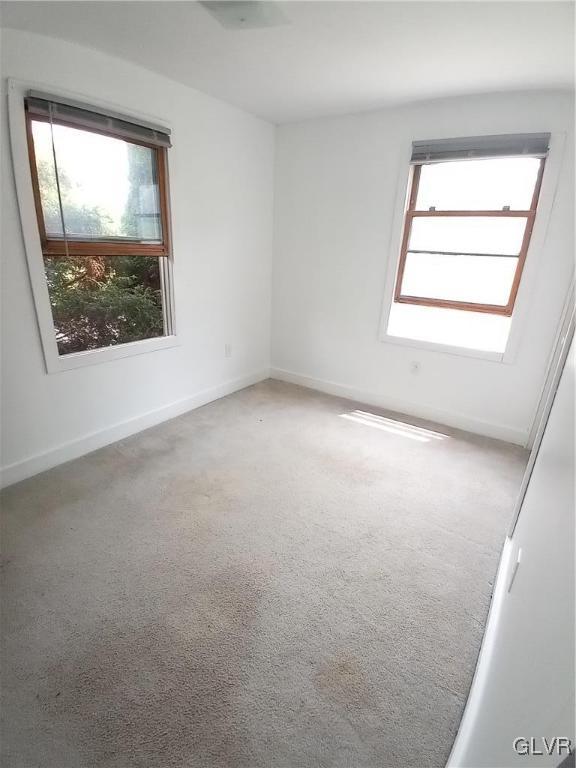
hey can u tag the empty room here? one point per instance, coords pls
(287, 384)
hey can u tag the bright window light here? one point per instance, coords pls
(451, 327)
(399, 428)
(479, 279)
(478, 184)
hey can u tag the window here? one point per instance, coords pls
(470, 210)
(101, 198)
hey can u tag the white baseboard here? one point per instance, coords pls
(448, 418)
(73, 449)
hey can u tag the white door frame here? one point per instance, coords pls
(555, 368)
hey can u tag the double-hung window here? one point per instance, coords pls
(101, 196)
(470, 210)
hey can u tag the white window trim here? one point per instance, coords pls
(533, 259)
(55, 363)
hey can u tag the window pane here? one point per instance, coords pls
(456, 327)
(477, 279)
(476, 185)
(103, 301)
(109, 187)
(47, 178)
(467, 234)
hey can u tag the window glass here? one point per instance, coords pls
(108, 186)
(467, 234)
(478, 279)
(455, 327)
(472, 185)
(104, 301)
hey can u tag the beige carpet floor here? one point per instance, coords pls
(261, 583)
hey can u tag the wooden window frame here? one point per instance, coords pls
(411, 213)
(109, 246)
(18, 91)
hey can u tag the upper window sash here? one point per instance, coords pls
(78, 245)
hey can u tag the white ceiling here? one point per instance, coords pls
(333, 57)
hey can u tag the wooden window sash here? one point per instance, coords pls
(79, 247)
(412, 213)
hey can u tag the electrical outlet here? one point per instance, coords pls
(227, 350)
(415, 367)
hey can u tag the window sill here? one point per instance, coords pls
(75, 360)
(496, 357)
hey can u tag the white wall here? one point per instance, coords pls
(336, 183)
(221, 178)
(524, 682)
